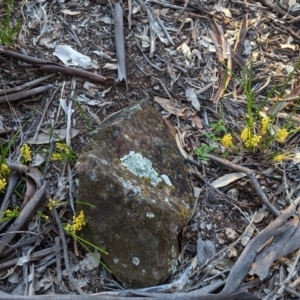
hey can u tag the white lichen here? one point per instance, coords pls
(142, 167)
(150, 215)
(136, 261)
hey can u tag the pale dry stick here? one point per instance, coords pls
(45, 112)
(201, 91)
(129, 13)
(68, 142)
(25, 94)
(31, 284)
(58, 261)
(59, 106)
(253, 180)
(152, 33)
(69, 113)
(119, 40)
(25, 273)
(292, 292)
(164, 29)
(25, 86)
(65, 251)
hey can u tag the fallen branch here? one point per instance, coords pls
(25, 86)
(25, 214)
(45, 65)
(25, 94)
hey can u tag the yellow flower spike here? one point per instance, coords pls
(2, 184)
(25, 153)
(246, 134)
(281, 135)
(265, 125)
(278, 158)
(227, 140)
(78, 223)
(57, 156)
(4, 170)
(62, 147)
(253, 141)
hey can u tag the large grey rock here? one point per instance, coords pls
(134, 175)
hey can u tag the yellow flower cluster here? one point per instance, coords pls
(249, 139)
(278, 157)
(62, 147)
(25, 153)
(57, 156)
(265, 125)
(246, 134)
(4, 172)
(2, 184)
(78, 223)
(63, 150)
(227, 140)
(281, 135)
(253, 141)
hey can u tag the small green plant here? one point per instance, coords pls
(83, 114)
(213, 136)
(78, 223)
(63, 153)
(261, 131)
(8, 33)
(203, 150)
(10, 214)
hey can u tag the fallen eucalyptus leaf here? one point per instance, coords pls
(226, 179)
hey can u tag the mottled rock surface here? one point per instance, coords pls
(134, 175)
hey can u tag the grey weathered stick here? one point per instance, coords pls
(34, 256)
(45, 65)
(129, 14)
(31, 207)
(25, 86)
(119, 38)
(25, 94)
